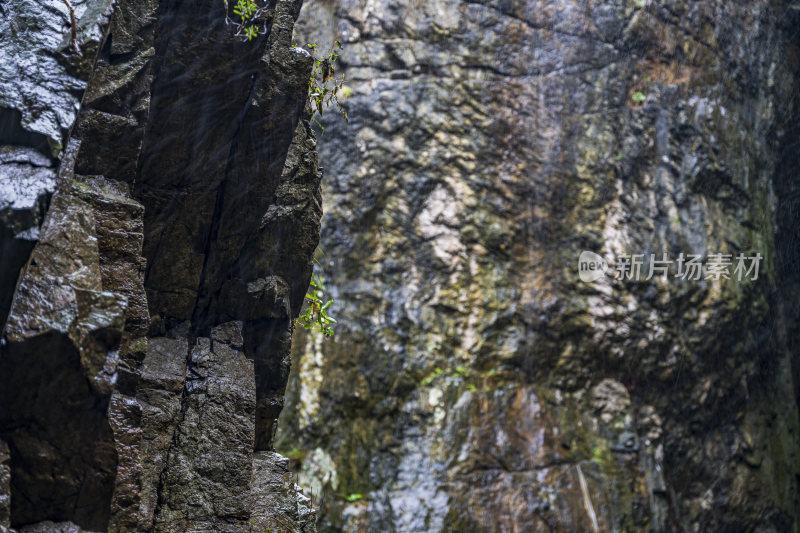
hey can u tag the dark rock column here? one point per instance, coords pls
(58, 368)
(150, 327)
(161, 385)
(206, 482)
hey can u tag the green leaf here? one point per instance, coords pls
(353, 497)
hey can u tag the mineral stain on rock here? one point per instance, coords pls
(482, 385)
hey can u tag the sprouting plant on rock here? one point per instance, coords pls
(324, 86)
(246, 21)
(463, 374)
(316, 314)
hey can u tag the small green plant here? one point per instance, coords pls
(467, 376)
(316, 313)
(296, 454)
(597, 455)
(248, 25)
(433, 375)
(323, 85)
(353, 497)
(638, 97)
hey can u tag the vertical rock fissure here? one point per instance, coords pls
(174, 438)
(199, 315)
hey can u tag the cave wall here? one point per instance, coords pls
(160, 207)
(474, 382)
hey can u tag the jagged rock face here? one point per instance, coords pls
(475, 383)
(27, 180)
(39, 98)
(149, 313)
(42, 81)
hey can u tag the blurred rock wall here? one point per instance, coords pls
(474, 382)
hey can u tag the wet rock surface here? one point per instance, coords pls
(43, 77)
(27, 179)
(476, 384)
(62, 339)
(207, 476)
(5, 487)
(53, 527)
(278, 504)
(146, 350)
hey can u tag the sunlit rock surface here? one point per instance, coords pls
(475, 383)
(152, 268)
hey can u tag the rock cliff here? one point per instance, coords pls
(159, 208)
(475, 383)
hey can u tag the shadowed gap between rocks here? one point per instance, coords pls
(11, 132)
(62, 447)
(212, 159)
(15, 251)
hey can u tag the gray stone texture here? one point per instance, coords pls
(489, 143)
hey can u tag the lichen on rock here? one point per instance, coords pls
(489, 144)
